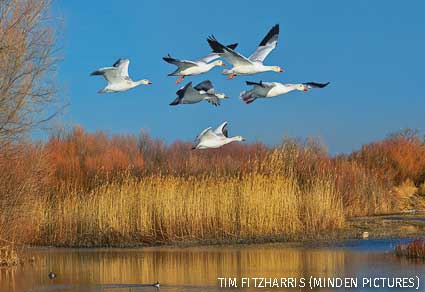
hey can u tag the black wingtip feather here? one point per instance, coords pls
(168, 59)
(272, 32)
(317, 85)
(95, 73)
(233, 46)
(175, 102)
(118, 62)
(215, 45)
(254, 83)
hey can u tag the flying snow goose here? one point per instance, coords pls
(220, 131)
(117, 77)
(203, 91)
(270, 89)
(216, 138)
(188, 68)
(254, 64)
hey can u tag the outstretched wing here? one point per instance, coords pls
(213, 56)
(205, 85)
(111, 74)
(182, 64)
(203, 133)
(261, 84)
(255, 83)
(227, 53)
(122, 66)
(267, 45)
(316, 85)
(182, 91)
(222, 130)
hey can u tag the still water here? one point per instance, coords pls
(198, 268)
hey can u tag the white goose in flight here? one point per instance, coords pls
(254, 64)
(270, 89)
(203, 91)
(216, 138)
(189, 68)
(117, 77)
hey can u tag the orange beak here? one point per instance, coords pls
(223, 64)
(281, 70)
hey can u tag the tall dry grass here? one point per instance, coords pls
(93, 189)
(167, 208)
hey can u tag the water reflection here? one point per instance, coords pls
(183, 269)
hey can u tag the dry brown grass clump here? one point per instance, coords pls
(414, 249)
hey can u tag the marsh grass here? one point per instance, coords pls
(161, 209)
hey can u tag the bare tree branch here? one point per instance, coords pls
(27, 67)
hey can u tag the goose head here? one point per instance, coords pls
(221, 95)
(145, 82)
(301, 87)
(277, 69)
(238, 138)
(219, 63)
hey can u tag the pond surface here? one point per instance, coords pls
(198, 268)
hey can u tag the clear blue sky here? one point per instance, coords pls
(372, 52)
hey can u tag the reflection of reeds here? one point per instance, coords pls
(199, 267)
(414, 249)
(8, 256)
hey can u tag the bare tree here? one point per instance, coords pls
(27, 67)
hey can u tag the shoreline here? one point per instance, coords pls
(383, 226)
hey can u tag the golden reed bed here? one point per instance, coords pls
(164, 209)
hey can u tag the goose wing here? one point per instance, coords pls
(182, 64)
(266, 46)
(188, 93)
(222, 130)
(227, 53)
(316, 85)
(261, 88)
(205, 86)
(213, 56)
(111, 74)
(261, 84)
(122, 66)
(187, 89)
(201, 135)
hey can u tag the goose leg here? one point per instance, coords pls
(231, 76)
(250, 100)
(180, 79)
